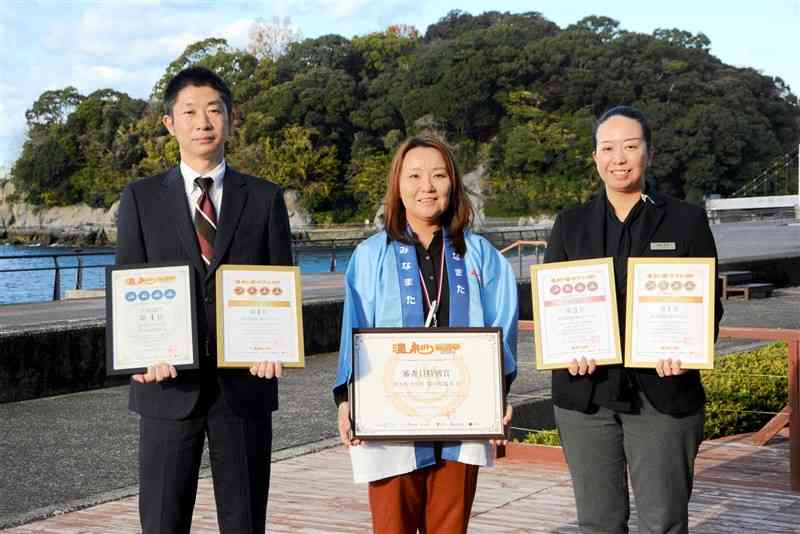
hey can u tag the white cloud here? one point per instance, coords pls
(336, 9)
(341, 8)
(103, 73)
(237, 32)
(128, 35)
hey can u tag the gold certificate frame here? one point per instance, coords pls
(259, 315)
(670, 312)
(426, 384)
(575, 313)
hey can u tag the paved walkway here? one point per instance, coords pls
(739, 488)
(81, 448)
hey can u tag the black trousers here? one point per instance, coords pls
(170, 453)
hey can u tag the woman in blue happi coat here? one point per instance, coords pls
(425, 259)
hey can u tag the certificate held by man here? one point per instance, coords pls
(575, 313)
(670, 312)
(259, 316)
(418, 384)
(150, 312)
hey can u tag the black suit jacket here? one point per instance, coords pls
(579, 233)
(154, 225)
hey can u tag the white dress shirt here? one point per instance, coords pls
(193, 191)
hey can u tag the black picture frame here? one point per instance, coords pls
(110, 321)
(499, 388)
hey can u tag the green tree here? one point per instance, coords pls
(40, 173)
(367, 181)
(384, 51)
(541, 162)
(194, 53)
(512, 92)
(295, 162)
(332, 52)
(607, 28)
(53, 107)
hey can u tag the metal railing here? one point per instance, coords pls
(498, 238)
(331, 244)
(79, 267)
(540, 246)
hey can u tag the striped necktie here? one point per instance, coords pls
(205, 220)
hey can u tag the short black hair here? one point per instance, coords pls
(629, 112)
(198, 77)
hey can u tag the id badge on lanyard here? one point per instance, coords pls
(433, 307)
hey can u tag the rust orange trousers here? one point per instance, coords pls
(434, 500)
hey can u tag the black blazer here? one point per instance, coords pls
(154, 225)
(579, 233)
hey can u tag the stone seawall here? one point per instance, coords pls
(66, 359)
(70, 358)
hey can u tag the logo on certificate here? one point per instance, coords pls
(427, 379)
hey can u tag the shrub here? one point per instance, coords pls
(740, 386)
(743, 383)
(543, 437)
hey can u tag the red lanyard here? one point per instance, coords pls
(433, 306)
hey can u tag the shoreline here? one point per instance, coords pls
(66, 237)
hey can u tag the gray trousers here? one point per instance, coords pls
(656, 449)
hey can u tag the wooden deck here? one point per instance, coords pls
(739, 488)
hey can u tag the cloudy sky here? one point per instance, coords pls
(127, 44)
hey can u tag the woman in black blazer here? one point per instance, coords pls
(615, 421)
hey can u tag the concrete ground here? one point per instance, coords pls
(69, 451)
(739, 488)
(31, 316)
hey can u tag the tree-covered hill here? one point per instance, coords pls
(513, 91)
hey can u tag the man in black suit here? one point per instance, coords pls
(615, 421)
(206, 214)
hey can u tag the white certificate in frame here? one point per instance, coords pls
(259, 315)
(150, 317)
(425, 384)
(575, 313)
(670, 312)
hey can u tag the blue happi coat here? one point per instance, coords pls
(483, 292)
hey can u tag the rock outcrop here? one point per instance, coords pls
(78, 225)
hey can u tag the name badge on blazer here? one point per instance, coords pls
(667, 245)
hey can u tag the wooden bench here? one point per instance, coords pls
(736, 277)
(757, 290)
(730, 278)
